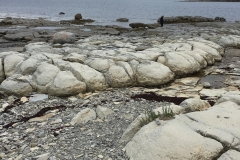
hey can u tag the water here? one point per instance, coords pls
(107, 11)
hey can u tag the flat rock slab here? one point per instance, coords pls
(196, 135)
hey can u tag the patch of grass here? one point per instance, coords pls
(151, 115)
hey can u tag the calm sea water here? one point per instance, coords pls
(107, 11)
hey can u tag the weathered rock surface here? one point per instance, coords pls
(63, 37)
(207, 130)
(93, 62)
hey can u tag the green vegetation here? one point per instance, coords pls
(151, 115)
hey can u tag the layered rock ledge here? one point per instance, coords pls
(99, 62)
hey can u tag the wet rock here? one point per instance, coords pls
(137, 25)
(153, 26)
(61, 13)
(78, 16)
(38, 97)
(122, 20)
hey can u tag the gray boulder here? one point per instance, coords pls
(63, 37)
(137, 25)
(122, 20)
(14, 86)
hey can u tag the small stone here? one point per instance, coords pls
(2, 155)
(24, 99)
(100, 156)
(206, 84)
(4, 106)
(72, 99)
(56, 121)
(42, 156)
(42, 118)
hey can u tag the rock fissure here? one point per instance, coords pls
(225, 148)
(40, 113)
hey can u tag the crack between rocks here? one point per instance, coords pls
(226, 147)
(40, 113)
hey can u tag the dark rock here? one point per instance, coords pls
(238, 45)
(220, 19)
(78, 16)
(137, 25)
(61, 13)
(153, 26)
(122, 20)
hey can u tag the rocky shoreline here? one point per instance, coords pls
(112, 76)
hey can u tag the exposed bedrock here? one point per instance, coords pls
(99, 62)
(195, 135)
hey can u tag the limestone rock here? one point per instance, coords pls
(182, 137)
(29, 66)
(181, 64)
(83, 116)
(153, 74)
(75, 57)
(11, 62)
(12, 86)
(66, 84)
(44, 76)
(230, 154)
(63, 37)
(93, 79)
(171, 140)
(194, 104)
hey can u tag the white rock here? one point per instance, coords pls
(29, 66)
(66, 84)
(83, 116)
(11, 62)
(153, 73)
(44, 156)
(194, 104)
(75, 57)
(44, 76)
(91, 77)
(181, 63)
(171, 140)
(230, 155)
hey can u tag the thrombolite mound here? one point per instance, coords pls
(98, 62)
